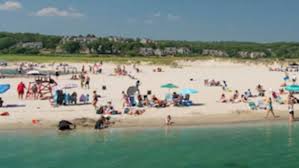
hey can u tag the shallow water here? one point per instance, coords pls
(256, 145)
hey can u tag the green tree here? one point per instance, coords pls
(71, 47)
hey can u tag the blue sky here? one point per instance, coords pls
(204, 20)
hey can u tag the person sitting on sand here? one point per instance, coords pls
(235, 97)
(158, 103)
(140, 101)
(260, 90)
(244, 99)
(136, 111)
(74, 98)
(101, 123)
(65, 125)
(176, 98)
(110, 109)
(222, 98)
(248, 93)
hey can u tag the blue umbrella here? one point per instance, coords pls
(292, 88)
(188, 91)
(4, 88)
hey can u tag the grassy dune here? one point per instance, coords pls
(129, 60)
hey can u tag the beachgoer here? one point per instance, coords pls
(94, 99)
(291, 112)
(87, 81)
(294, 79)
(34, 89)
(291, 102)
(244, 99)
(286, 77)
(168, 121)
(1, 102)
(125, 99)
(21, 89)
(57, 74)
(82, 79)
(270, 108)
(65, 125)
(223, 99)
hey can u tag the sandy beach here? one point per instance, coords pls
(206, 108)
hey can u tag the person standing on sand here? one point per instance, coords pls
(94, 99)
(168, 121)
(87, 81)
(21, 90)
(291, 101)
(270, 108)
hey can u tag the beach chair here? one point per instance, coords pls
(261, 105)
(187, 103)
(168, 97)
(252, 106)
(279, 100)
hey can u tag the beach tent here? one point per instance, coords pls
(188, 91)
(4, 88)
(292, 88)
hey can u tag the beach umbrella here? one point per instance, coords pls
(4, 88)
(292, 88)
(169, 86)
(131, 91)
(188, 91)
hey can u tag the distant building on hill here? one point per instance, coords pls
(34, 45)
(217, 53)
(81, 39)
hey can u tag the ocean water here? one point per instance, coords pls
(236, 146)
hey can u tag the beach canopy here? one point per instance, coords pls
(292, 88)
(169, 86)
(188, 91)
(34, 72)
(4, 88)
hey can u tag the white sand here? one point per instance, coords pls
(238, 76)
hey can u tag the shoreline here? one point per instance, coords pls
(212, 120)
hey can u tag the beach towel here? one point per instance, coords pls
(4, 88)
(4, 114)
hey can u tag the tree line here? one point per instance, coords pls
(128, 46)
